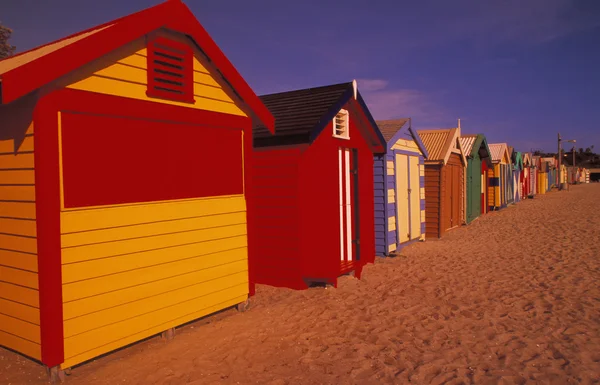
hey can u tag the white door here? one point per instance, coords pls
(345, 194)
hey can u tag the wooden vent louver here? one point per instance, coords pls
(170, 70)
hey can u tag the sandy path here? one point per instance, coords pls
(512, 298)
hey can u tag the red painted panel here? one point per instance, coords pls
(47, 199)
(110, 160)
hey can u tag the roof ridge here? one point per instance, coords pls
(305, 89)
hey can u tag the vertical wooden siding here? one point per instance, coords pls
(124, 74)
(389, 242)
(19, 296)
(381, 204)
(274, 196)
(433, 191)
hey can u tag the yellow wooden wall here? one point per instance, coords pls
(19, 297)
(127, 77)
(135, 270)
(132, 271)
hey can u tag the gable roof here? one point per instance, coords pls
(439, 144)
(30, 70)
(472, 145)
(498, 151)
(301, 115)
(393, 130)
(527, 159)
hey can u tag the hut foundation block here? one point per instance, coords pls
(243, 306)
(168, 334)
(55, 374)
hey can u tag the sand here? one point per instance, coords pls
(513, 298)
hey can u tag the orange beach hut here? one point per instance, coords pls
(116, 220)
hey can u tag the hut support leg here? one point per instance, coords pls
(55, 374)
(243, 306)
(168, 334)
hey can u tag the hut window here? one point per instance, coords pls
(341, 125)
(170, 70)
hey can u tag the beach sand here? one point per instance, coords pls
(513, 298)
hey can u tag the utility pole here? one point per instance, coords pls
(559, 161)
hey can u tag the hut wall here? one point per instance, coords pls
(381, 180)
(19, 296)
(320, 201)
(433, 192)
(123, 73)
(402, 221)
(139, 259)
(276, 220)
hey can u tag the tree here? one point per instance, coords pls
(6, 49)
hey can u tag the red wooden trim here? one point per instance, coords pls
(28, 77)
(47, 200)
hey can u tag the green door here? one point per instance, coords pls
(473, 188)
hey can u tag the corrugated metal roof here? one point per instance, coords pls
(498, 150)
(389, 128)
(467, 142)
(13, 62)
(437, 142)
(298, 112)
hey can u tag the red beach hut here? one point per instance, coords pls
(312, 198)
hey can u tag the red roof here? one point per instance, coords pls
(23, 73)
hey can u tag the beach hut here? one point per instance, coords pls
(498, 176)
(537, 164)
(117, 222)
(313, 205)
(526, 188)
(479, 161)
(552, 177)
(445, 169)
(586, 175)
(517, 169)
(399, 188)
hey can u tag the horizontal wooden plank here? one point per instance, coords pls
(138, 91)
(18, 243)
(8, 146)
(81, 289)
(204, 85)
(25, 177)
(23, 210)
(152, 229)
(127, 215)
(168, 262)
(137, 245)
(172, 276)
(19, 294)
(81, 343)
(20, 328)
(28, 348)
(18, 277)
(19, 260)
(154, 303)
(20, 311)
(25, 227)
(135, 60)
(94, 352)
(10, 161)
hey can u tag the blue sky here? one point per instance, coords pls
(518, 71)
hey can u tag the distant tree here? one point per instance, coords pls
(580, 150)
(6, 49)
(588, 150)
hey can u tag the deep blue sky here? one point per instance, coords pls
(518, 71)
